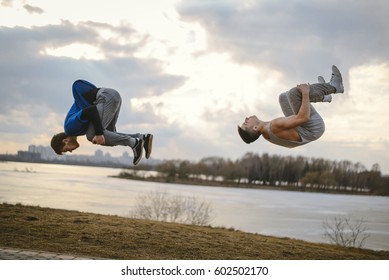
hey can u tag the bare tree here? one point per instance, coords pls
(344, 232)
(197, 212)
(159, 205)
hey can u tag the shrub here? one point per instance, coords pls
(159, 205)
(343, 232)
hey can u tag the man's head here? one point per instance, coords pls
(249, 130)
(62, 143)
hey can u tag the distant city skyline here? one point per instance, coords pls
(48, 153)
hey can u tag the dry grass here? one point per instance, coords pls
(113, 237)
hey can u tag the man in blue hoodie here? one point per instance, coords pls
(94, 113)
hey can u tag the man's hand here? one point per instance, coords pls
(99, 140)
(303, 88)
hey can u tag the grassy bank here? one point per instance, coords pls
(113, 237)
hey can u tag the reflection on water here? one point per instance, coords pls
(279, 213)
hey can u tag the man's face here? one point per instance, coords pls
(250, 122)
(70, 144)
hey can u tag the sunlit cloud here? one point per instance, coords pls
(360, 112)
(76, 51)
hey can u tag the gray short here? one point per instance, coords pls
(108, 103)
(290, 102)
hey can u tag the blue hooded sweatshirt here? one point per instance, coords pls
(75, 125)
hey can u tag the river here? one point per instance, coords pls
(296, 215)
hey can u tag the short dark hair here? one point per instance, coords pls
(248, 136)
(57, 142)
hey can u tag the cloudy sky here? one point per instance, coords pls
(190, 71)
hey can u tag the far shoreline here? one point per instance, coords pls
(209, 183)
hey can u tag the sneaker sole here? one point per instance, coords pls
(141, 153)
(337, 72)
(149, 146)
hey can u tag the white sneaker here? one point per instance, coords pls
(336, 80)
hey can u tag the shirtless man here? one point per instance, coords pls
(301, 123)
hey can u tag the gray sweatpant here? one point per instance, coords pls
(108, 102)
(290, 102)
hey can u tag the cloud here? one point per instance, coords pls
(26, 67)
(33, 10)
(299, 38)
(6, 3)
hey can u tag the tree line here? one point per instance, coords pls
(279, 171)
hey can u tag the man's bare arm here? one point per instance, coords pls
(305, 109)
(301, 117)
